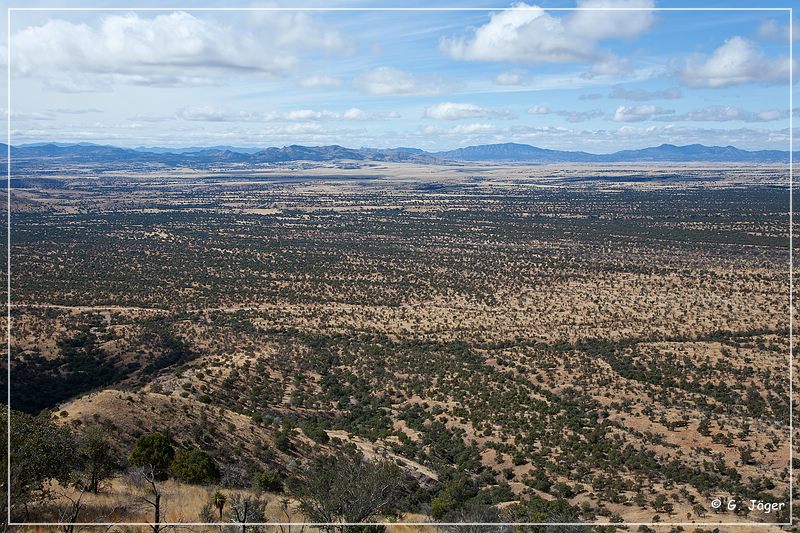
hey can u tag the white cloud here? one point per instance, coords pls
(140, 117)
(455, 111)
(609, 24)
(638, 113)
(580, 116)
(174, 49)
(222, 114)
(511, 77)
(308, 114)
(355, 113)
(640, 95)
(24, 116)
(458, 111)
(306, 127)
(609, 65)
(726, 114)
(294, 30)
(737, 61)
(217, 114)
(384, 81)
(471, 129)
(77, 111)
(770, 114)
(772, 30)
(523, 33)
(529, 34)
(539, 110)
(320, 80)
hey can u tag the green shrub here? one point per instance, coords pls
(316, 433)
(442, 504)
(268, 482)
(154, 450)
(282, 441)
(195, 467)
(453, 495)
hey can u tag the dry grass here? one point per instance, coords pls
(119, 502)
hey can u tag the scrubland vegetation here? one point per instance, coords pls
(531, 345)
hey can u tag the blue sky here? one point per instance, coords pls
(598, 81)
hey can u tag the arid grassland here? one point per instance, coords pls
(508, 343)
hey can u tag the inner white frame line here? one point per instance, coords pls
(9, 10)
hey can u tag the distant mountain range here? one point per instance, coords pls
(511, 152)
(191, 149)
(506, 152)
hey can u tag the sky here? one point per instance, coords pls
(593, 80)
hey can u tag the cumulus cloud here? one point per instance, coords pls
(293, 31)
(523, 33)
(726, 114)
(320, 80)
(458, 111)
(737, 61)
(140, 117)
(772, 30)
(539, 110)
(640, 95)
(609, 66)
(638, 113)
(217, 114)
(306, 114)
(355, 113)
(24, 116)
(528, 34)
(76, 111)
(174, 49)
(607, 24)
(471, 129)
(511, 77)
(707, 114)
(580, 116)
(384, 81)
(222, 114)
